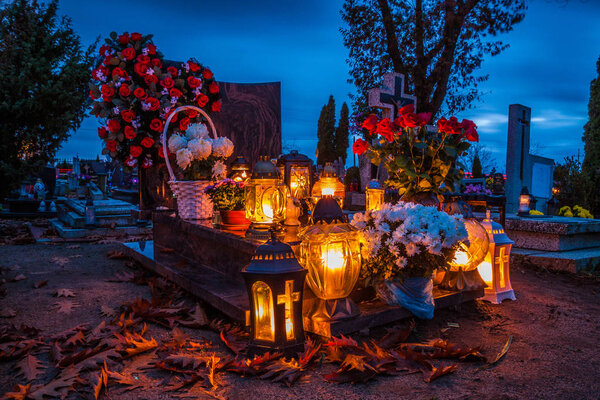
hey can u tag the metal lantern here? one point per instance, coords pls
(240, 170)
(330, 251)
(266, 199)
(524, 202)
(494, 270)
(328, 185)
(296, 170)
(275, 280)
(374, 193)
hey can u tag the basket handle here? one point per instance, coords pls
(163, 136)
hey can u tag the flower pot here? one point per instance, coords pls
(236, 218)
(414, 294)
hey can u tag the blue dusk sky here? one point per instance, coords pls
(548, 67)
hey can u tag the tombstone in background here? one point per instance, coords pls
(389, 98)
(523, 169)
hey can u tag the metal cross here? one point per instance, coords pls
(391, 96)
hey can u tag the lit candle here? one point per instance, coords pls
(327, 192)
(485, 270)
(461, 258)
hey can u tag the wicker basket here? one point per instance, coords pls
(192, 202)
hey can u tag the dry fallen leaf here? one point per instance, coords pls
(19, 277)
(107, 311)
(117, 255)
(30, 367)
(65, 293)
(65, 306)
(62, 261)
(40, 284)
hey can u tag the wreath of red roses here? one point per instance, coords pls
(133, 94)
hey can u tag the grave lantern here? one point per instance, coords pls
(296, 170)
(495, 268)
(328, 184)
(266, 199)
(330, 251)
(374, 194)
(275, 280)
(524, 202)
(240, 170)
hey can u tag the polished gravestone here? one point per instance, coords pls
(207, 263)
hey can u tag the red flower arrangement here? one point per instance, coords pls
(417, 159)
(133, 95)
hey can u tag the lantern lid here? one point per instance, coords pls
(273, 257)
(374, 184)
(240, 164)
(264, 169)
(294, 157)
(328, 211)
(524, 191)
(328, 171)
(495, 231)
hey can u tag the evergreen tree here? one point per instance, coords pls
(591, 138)
(476, 170)
(341, 133)
(326, 134)
(43, 87)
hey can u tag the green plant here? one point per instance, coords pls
(591, 138)
(570, 182)
(476, 170)
(227, 195)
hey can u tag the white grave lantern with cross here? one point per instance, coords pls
(389, 98)
(495, 269)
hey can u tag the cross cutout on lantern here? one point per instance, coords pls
(502, 260)
(391, 97)
(288, 299)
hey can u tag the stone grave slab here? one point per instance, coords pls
(207, 263)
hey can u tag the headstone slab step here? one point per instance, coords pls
(102, 207)
(573, 261)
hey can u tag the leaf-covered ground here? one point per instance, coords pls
(76, 321)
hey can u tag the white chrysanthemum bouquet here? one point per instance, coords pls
(198, 155)
(407, 240)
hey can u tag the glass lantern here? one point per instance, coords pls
(240, 170)
(524, 202)
(495, 268)
(330, 251)
(266, 199)
(275, 281)
(374, 194)
(328, 185)
(296, 170)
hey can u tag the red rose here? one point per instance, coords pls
(143, 59)
(135, 151)
(424, 117)
(127, 115)
(207, 73)
(213, 87)
(154, 103)
(94, 94)
(128, 53)
(167, 83)
(370, 123)
(102, 132)
(101, 70)
(150, 79)
(111, 145)
(147, 142)
(140, 93)
(119, 72)
(136, 36)
(124, 38)
(151, 48)
(385, 129)
(184, 123)
(124, 90)
(202, 100)
(175, 93)
(193, 82)
(140, 69)
(470, 130)
(360, 146)
(173, 71)
(216, 106)
(129, 132)
(156, 125)
(103, 49)
(193, 66)
(192, 113)
(106, 60)
(174, 119)
(107, 91)
(409, 108)
(114, 125)
(450, 126)
(156, 62)
(161, 154)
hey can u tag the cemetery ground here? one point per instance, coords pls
(57, 286)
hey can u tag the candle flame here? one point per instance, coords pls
(327, 192)
(485, 270)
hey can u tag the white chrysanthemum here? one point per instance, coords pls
(200, 148)
(222, 147)
(196, 131)
(184, 157)
(177, 142)
(219, 170)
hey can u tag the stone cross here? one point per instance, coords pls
(391, 97)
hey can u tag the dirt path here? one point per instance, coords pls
(555, 324)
